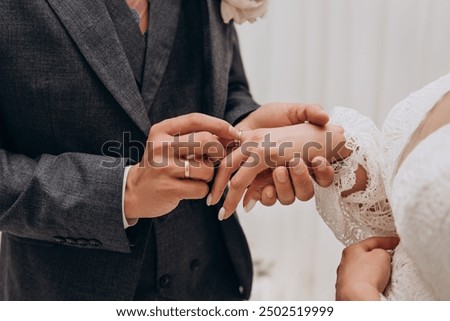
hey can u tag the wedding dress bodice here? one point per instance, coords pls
(412, 200)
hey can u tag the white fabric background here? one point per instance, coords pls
(364, 54)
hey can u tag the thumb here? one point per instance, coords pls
(313, 114)
(385, 243)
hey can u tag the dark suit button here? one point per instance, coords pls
(95, 243)
(164, 281)
(195, 265)
(82, 242)
(70, 241)
(60, 239)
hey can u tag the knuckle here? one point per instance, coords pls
(292, 112)
(236, 184)
(156, 128)
(347, 251)
(194, 118)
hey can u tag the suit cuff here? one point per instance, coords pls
(126, 224)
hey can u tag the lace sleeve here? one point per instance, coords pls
(361, 214)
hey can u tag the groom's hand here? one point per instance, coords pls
(177, 164)
(284, 114)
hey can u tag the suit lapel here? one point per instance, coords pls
(89, 25)
(163, 23)
(216, 53)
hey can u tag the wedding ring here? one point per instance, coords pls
(238, 139)
(187, 169)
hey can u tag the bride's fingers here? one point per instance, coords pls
(301, 179)
(254, 191)
(283, 185)
(323, 172)
(243, 178)
(269, 196)
(227, 167)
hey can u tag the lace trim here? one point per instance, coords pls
(365, 213)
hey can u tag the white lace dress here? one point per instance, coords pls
(412, 201)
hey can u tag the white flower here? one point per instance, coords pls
(243, 10)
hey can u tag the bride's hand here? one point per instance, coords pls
(365, 269)
(288, 183)
(263, 149)
(265, 188)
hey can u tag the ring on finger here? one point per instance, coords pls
(187, 169)
(238, 139)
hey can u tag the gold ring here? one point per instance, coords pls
(238, 139)
(187, 169)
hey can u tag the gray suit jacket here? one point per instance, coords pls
(66, 88)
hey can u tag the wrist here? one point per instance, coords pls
(324, 141)
(337, 149)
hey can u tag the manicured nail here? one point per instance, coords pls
(270, 193)
(250, 205)
(221, 215)
(209, 200)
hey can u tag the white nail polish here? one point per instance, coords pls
(209, 200)
(250, 205)
(221, 215)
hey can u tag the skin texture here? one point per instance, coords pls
(365, 269)
(254, 158)
(153, 190)
(141, 7)
(266, 188)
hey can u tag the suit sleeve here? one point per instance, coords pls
(72, 199)
(239, 102)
